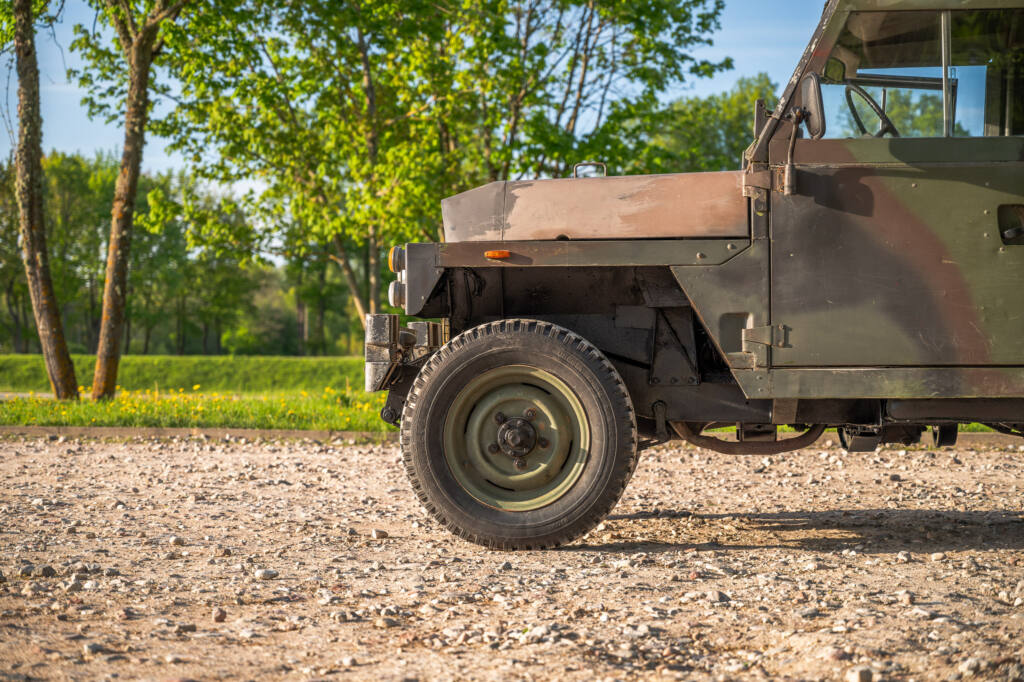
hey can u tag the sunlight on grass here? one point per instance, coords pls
(329, 409)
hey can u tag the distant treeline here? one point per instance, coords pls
(184, 297)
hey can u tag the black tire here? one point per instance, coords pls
(608, 463)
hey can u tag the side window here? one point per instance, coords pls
(884, 76)
(987, 66)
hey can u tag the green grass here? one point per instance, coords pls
(327, 409)
(202, 392)
(238, 374)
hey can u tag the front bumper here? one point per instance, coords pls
(393, 351)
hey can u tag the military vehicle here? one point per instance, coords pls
(864, 270)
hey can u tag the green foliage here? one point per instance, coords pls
(707, 133)
(326, 410)
(39, 11)
(25, 373)
(355, 120)
(914, 113)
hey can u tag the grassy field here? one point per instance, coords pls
(237, 374)
(327, 409)
(202, 391)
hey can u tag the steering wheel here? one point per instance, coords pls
(886, 123)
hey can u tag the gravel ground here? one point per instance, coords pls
(208, 559)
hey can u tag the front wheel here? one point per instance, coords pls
(519, 434)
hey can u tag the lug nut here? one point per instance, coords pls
(499, 418)
(530, 413)
(493, 448)
(520, 463)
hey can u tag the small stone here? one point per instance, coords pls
(265, 574)
(73, 586)
(903, 557)
(93, 648)
(938, 556)
(385, 623)
(170, 556)
(177, 541)
(970, 666)
(173, 658)
(182, 628)
(378, 534)
(906, 598)
(219, 615)
(3, 578)
(25, 571)
(809, 613)
(248, 634)
(716, 597)
(348, 661)
(44, 571)
(507, 566)
(222, 551)
(833, 653)
(811, 566)
(32, 589)
(861, 674)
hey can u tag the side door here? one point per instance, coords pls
(903, 244)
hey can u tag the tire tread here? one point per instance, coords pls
(582, 348)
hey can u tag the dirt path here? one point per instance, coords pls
(208, 559)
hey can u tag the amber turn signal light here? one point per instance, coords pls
(396, 259)
(497, 255)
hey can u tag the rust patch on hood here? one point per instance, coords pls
(695, 205)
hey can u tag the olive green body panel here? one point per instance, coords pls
(887, 257)
(888, 382)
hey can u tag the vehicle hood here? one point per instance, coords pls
(619, 207)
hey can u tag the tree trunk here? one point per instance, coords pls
(321, 312)
(206, 338)
(181, 328)
(373, 265)
(17, 320)
(29, 191)
(145, 340)
(300, 314)
(127, 323)
(350, 278)
(108, 351)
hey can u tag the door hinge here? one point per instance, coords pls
(763, 181)
(753, 181)
(774, 335)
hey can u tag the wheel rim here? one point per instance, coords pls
(516, 438)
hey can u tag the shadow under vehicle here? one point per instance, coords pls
(863, 270)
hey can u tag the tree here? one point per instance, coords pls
(17, 326)
(707, 133)
(359, 117)
(140, 29)
(915, 113)
(29, 194)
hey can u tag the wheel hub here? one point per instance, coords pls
(517, 437)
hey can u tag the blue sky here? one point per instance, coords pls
(758, 35)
